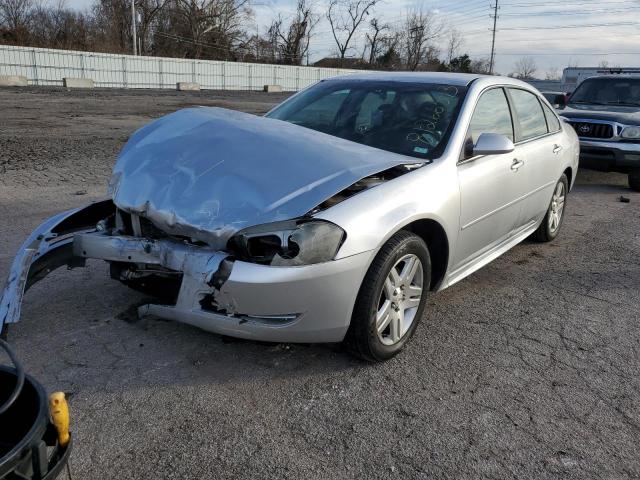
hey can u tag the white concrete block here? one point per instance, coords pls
(77, 82)
(272, 88)
(13, 81)
(188, 87)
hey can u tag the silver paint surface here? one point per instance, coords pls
(209, 172)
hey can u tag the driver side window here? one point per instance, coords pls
(492, 115)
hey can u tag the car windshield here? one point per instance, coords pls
(608, 91)
(413, 119)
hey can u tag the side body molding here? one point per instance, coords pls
(49, 247)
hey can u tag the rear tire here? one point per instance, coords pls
(550, 226)
(634, 179)
(391, 299)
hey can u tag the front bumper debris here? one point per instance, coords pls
(281, 304)
(311, 303)
(48, 247)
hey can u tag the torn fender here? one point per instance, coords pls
(47, 248)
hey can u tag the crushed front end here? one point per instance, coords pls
(194, 283)
(212, 212)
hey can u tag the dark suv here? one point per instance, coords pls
(605, 112)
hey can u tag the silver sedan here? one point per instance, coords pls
(330, 219)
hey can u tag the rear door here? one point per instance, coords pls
(489, 207)
(539, 146)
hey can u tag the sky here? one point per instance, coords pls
(555, 33)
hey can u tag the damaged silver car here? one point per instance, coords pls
(331, 218)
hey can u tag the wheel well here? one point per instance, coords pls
(436, 239)
(569, 174)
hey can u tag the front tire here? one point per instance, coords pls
(634, 179)
(550, 226)
(391, 299)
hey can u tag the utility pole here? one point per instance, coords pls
(493, 40)
(133, 27)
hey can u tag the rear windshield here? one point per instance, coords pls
(608, 91)
(413, 119)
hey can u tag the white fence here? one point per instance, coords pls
(44, 66)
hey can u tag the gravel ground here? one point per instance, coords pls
(526, 369)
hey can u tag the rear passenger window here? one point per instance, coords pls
(492, 115)
(552, 121)
(529, 112)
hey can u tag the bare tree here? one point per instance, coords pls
(553, 74)
(421, 29)
(454, 43)
(292, 41)
(112, 25)
(525, 68)
(390, 57)
(345, 17)
(56, 26)
(15, 14)
(374, 39)
(148, 11)
(212, 25)
(481, 65)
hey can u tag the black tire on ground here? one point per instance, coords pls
(362, 338)
(634, 179)
(544, 233)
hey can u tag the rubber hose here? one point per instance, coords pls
(19, 374)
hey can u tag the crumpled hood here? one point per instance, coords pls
(209, 172)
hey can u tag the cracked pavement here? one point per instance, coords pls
(526, 369)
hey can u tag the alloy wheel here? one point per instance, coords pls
(399, 299)
(557, 207)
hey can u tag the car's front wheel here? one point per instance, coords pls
(550, 226)
(391, 299)
(634, 179)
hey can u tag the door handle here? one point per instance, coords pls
(557, 148)
(516, 164)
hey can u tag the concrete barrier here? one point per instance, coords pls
(13, 81)
(188, 87)
(77, 82)
(272, 89)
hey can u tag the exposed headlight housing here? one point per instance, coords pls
(632, 132)
(290, 243)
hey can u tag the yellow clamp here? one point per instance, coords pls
(59, 411)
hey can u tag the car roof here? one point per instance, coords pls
(457, 79)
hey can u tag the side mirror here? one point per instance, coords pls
(492, 144)
(560, 100)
